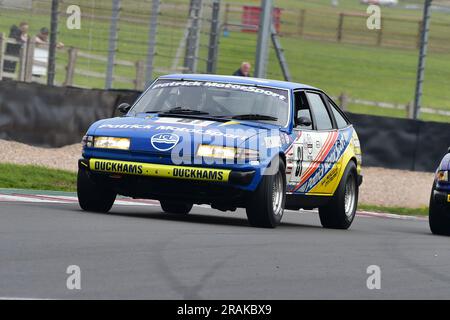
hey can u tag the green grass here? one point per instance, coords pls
(36, 177)
(423, 211)
(363, 70)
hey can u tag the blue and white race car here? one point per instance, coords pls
(439, 212)
(228, 142)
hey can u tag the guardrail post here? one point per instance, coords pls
(22, 62)
(152, 41)
(193, 38)
(343, 101)
(225, 17)
(380, 33)
(262, 46)
(112, 47)
(70, 68)
(2, 52)
(280, 54)
(340, 26)
(301, 22)
(139, 81)
(51, 64)
(422, 56)
(213, 49)
(419, 33)
(410, 110)
(29, 60)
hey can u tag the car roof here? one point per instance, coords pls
(239, 80)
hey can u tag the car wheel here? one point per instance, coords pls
(438, 220)
(340, 211)
(176, 207)
(92, 196)
(266, 204)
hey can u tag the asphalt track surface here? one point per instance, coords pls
(138, 252)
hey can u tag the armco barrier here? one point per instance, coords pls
(57, 116)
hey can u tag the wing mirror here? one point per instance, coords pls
(123, 108)
(448, 150)
(304, 121)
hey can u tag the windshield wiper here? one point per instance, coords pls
(254, 116)
(180, 110)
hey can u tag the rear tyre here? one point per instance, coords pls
(176, 207)
(340, 211)
(92, 196)
(266, 204)
(438, 219)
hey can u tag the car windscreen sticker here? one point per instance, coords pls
(125, 126)
(277, 93)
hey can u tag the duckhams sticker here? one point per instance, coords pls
(159, 170)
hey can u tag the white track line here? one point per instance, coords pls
(15, 198)
(67, 199)
(23, 298)
(391, 216)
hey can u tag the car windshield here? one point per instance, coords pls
(216, 99)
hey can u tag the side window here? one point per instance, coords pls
(323, 121)
(340, 120)
(302, 108)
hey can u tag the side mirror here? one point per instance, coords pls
(448, 150)
(304, 121)
(123, 108)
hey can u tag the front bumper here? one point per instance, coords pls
(118, 168)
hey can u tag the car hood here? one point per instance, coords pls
(160, 134)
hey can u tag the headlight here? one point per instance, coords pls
(442, 175)
(209, 151)
(87, 141)
(112, 143)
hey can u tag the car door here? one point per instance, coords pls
(310, 153)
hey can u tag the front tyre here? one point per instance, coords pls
(438, 219)
(266, 204)
(176, 207)
(92, 196)
(340, 211)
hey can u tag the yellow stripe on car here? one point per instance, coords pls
(159, 170)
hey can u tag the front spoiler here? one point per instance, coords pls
(115, 167)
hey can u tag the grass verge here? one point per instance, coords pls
(36, 177)
(423, 211)
(41, 178)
